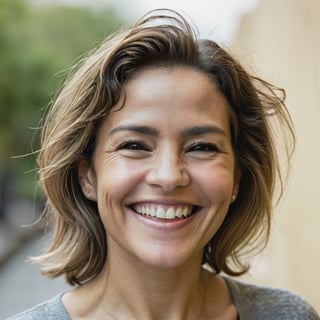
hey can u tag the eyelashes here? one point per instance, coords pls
(198, 147)
(204, 147)
(134, 146)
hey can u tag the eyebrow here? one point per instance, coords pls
(136, 128)
(186, 133)
(201, 130)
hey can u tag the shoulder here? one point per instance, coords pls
(50, 310)
(259, 302)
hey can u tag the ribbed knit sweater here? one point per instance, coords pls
(252, 302)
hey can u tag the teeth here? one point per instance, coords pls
(186, 212)
(153, 212)
(162, 213)
(179, 213)
(170, 214)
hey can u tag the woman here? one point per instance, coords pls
(158, 160)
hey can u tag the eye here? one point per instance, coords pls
(133, 146)
(204, 147)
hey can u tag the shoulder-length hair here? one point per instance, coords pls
(162, 38)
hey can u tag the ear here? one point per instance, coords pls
(87, 179)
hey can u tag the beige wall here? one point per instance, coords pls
(283, 39)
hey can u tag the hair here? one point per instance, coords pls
(161, 38)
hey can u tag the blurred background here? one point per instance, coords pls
(41, 39)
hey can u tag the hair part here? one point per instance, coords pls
(161, 39)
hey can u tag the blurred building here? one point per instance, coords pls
(282, 38)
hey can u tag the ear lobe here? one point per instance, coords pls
(87, 179)
(236, 181)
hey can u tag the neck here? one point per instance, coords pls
(135, 291)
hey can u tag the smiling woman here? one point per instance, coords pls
(159, 165)
(152, 161)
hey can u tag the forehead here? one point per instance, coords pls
(173, 83)
(183, 76)
(166, 97)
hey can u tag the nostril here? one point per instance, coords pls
(169, 177)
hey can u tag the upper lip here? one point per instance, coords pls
(164, 202)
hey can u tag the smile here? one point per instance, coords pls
(166, 213)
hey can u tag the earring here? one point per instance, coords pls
(233, 198)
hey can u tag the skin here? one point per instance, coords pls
(168, 147)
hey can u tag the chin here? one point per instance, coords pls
(164, 258)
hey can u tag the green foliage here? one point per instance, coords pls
(36, 45)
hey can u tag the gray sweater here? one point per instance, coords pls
(252, 302)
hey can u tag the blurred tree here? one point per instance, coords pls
(36, 44)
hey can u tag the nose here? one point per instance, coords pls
(168, 171)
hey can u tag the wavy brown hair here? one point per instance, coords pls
(162, 38)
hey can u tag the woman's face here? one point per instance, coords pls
(163, 171)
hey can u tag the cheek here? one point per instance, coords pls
(215, 182)
(116, 178)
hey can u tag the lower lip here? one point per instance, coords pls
(163, 224)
